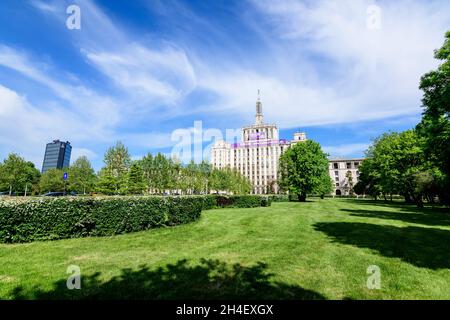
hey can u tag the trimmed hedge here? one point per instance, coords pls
(245, 201)
(59, 218)
(279, 197)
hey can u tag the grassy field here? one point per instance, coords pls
(320, 249)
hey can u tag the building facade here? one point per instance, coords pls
(257, 156)
(345, 174)
(57, 155)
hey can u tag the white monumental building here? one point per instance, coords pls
(257, 156)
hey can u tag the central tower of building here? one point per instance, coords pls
(259, 116)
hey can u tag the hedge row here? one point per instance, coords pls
(59, 218)
(245, 201)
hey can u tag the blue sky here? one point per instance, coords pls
(138, 71)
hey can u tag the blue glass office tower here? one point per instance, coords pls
(57, 155)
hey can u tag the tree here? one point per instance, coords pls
(112, 178)
(18, 175)
(435, 124)
(349, 182)
(148, 171)
(52, 181)
(81, 175)
(117, 160)
(136, 183)
(393, 163)
(325, 186)
(107, 183)
(302, 169)
(368, 180)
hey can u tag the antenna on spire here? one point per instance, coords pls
(259, 116)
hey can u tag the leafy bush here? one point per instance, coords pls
(49, 219)
(244, 201)
(279, 197)
(59, 218)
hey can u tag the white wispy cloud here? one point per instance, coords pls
(346, 150)
(356, 73)
(317, 63)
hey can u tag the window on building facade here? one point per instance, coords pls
(349, 165)
(336, 173)
(337, 184)
(335, 165)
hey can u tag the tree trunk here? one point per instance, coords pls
(419, 202)
(408, 198)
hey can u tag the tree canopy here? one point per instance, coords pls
(304, 169)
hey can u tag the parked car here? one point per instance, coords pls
(53, 194)
(6, 193)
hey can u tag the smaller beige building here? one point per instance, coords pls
(345, 174)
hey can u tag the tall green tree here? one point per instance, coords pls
(117, 160)
(435, 124)
(112, 178)
(395, 160)
(135, 183)
(52, 181)
(107, 183)
(18, 175)
(325, 186)
(81, 175)
(302, 169)
(369, 179)
(149, 172)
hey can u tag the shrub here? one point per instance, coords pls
(279, 198)
(49, 219)
(71, 217)
(243, 201)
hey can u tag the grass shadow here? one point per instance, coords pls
(432, 218)
(401, 205)
(211, 279)
(422, 247)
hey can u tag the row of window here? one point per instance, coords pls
(348, 165)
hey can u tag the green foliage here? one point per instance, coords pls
(71, 217)
(304, 169)
(435, 124)
(229, 180)
(49, 219)
(136, 184)
(18, 175)
(279, 197)
(160, 174)
(396, 164)
(81, 176)
(245, 201)
(117, 160)
(108, 184)
(325, 186)
(52, 181)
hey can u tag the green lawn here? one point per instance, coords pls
(315, 250)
